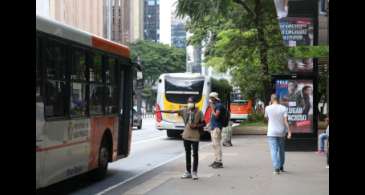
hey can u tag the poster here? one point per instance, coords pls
(297, 96)
(295, 32)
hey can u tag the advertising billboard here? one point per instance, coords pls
(297, 96)
(295, 32)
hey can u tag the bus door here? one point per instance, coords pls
(125, 103)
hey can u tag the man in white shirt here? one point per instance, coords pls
(278, 124)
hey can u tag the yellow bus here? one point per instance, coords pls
(173, 90)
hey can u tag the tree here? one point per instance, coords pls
(156, 58)
(243, 36)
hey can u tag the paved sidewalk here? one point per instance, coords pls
(247, 170)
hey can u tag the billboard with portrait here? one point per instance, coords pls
(297, 96)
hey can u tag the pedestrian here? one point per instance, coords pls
(278, 124)
(216, 129)
(194, 123)
(322, 138)
(227, 132)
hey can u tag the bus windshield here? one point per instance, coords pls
(179, 89)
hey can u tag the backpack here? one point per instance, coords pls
(201, 123)
(224, 116)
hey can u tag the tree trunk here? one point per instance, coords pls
(263, 48)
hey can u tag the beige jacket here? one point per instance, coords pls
(189, 133)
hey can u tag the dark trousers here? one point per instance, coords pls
(187, 145)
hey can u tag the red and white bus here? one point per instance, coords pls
(84, 86)
(239, 107)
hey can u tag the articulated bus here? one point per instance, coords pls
(83, 102)
(239, 107)
(173, 90)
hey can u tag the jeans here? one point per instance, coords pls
(322, 138)
(216, 136)
(277, 151)
(187, 146)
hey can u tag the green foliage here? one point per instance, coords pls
(158, 58)
(223, 88)
(256, 117)
(241, 36)
(306, 51)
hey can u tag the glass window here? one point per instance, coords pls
(96, 69)
(78, 67)
(78, 104)
(78, 71)
(55, 55)
(111, 101)
(110, 71)
(151, 2)
(55, 98)
(96, 99)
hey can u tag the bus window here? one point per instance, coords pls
(111, 99)
(178, 90)
(96, 69)
(96, 94)
(55, 60)
(78, 102)
(96, 99)
(55, 106)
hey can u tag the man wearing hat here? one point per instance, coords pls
(216, 129)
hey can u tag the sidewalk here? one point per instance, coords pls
(247, 170)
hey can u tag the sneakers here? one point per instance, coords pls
(276, 172)
(211, 165)
(195, 175)
(186, 175)
(227, 144)
(319, 152)
(217, 165)
(281, 169)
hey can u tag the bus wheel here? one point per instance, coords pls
(104, 153)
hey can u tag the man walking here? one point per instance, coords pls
(216, 129)
(278, 123)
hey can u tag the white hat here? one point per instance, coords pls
(214, 95)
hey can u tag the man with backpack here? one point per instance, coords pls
(217, 122)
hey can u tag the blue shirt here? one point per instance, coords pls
(214, 122)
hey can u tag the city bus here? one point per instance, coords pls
(173, 90)
(84, 86)
(240, 108)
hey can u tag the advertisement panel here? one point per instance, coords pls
(297, 96)
(295, 32)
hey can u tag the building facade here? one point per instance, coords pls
(151, 21)
(137, 18)
(83, 14)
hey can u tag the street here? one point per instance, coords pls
(150, 149)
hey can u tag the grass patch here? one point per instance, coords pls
(253, 123)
